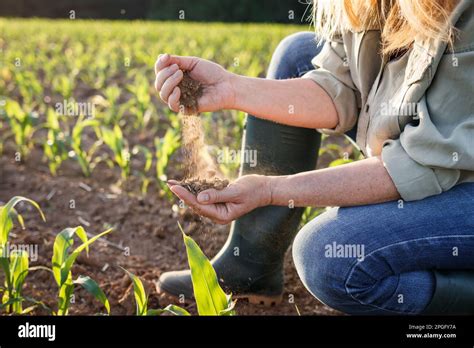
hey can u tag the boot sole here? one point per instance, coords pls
(265, 300)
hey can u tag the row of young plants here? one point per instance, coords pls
(62, 141)
(110, 65)
(209, 296)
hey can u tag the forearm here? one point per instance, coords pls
(363, 182)
(295, 102)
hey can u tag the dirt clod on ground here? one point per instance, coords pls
(198, 185)
(191, 91)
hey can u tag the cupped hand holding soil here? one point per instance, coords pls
(229, 203)
(197, 185)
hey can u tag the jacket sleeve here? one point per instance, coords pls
(332, 73)
(437, 153)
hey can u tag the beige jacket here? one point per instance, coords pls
(416, 111)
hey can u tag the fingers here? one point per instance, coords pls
(184, 63)
(173, 100)
(212, 196)
(170, 84)
(183, 194)
(164, 74)
(162, 62)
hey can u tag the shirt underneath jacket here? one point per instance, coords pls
(415, 111)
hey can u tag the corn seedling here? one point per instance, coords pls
(64, 85)
(22, 124)
(209, 296)
(3, 122)
(141, 300)
(148, 162)
(14, 280)
(164, 148)
(62, 263)
(15, 266)
(29, 86)
(119, 146)
(114, 112)
(55, 147)
(84, 157)
(142, 107)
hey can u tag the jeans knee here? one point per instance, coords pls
(324, 276)
(293, 55)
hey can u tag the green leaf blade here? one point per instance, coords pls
(141, 298)
(94, 289)
(210, 298)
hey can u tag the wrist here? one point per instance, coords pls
(278, 190)
(237, 88)
(271, 189)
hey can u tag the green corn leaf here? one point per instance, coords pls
(18, 272)
(81, 233)
(230, 310)
(140, 295)
(64, 240)
(7, 301)
(63, 261)
(5, 264)
(210, 298)
(115, 141)
(165, 147)
(72, 258)
(28, 309)
(93, 288)
(5, 218)
(64, 297)
(172, 309)
(18, 268)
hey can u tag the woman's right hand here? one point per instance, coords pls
(218, 90)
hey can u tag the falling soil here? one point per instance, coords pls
(200, 171)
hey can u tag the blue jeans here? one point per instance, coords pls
(378, 259)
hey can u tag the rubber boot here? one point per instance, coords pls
(454, 294)
(250, 265)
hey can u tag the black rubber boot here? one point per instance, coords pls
(454, 294)
(250, 265)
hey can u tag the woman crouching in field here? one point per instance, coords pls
(396, 75)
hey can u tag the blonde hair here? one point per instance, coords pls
(400, 21)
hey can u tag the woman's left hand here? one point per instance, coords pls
(240, 197)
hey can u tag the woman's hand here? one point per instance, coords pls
(218, 90)
(240, 197)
